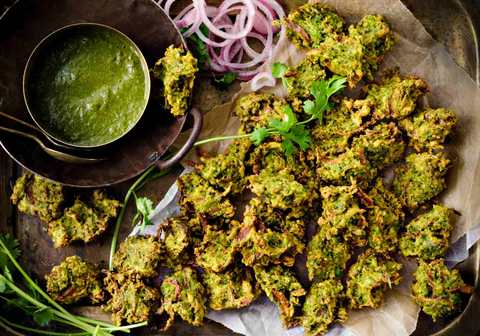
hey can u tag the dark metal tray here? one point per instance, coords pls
(455, 23)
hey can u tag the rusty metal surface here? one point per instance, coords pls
(452, 22)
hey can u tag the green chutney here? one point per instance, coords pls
(88, 87)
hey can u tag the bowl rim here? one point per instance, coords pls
(31, 63)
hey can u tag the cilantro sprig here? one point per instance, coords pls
(278, 71)
(292, 131)
(144, 210)
(20, 293)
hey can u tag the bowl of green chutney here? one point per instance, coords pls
(86, 85)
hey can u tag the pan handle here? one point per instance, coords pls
(197, 127)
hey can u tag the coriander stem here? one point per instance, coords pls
(119, 220)
(38, 331)
(312, 118)
(9, 329)
(221, 138)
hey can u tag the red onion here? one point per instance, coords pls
(231, 26)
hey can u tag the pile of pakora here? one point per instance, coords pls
(243, 228)
(82, 221)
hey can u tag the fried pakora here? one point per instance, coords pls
(420, 178)
(326, 257)
(83, 222)
(382, 145)
(346, 167)
(385, 217)
(226, 172)
(342, 215)
(396, 98)
(428, 129)
(309, 25)
(176, 237)
(73, 280)
(132, 300)
(369, 278)
(256, 110)
(324, 305)
(138, 255)
(183, 295)
(37, 196)
(177, 71)
(230, 289)
(377, 39)
(299, 79)
(282, 287)
(200, 197)
(427, 235)
(339, 124)
(438, 290)
(217, 250)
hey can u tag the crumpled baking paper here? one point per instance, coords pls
(415, 52)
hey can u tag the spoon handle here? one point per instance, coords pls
(26, 135)
(24, 123)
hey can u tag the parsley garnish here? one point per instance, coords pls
(293, 132)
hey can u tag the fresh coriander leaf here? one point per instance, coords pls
(12, 245)
(3, 285)
(225, 80)
(288, 120)
(288, 147)
(279, 69)
(43, 316)
(7, 273)
(309, 107)
(198, 47)
(144, 209)
(259, 135)
(335, 84)
(300, 136)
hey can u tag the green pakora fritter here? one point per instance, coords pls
(282, 287)
(382, 145)
(326, 257)
(231, 289)
(376, 37)
(83, 222)
(132, 300)
(309, 25)
(183, 295)
(396, 98)
(279, 189)
(427, 235)
(138, 255)
(428, 129)
(385, 217)
(176, 237)
(200, 197)
(301, 77)
(420, 178)
(217, 250)
(370, 277)
(226, 172)
(339, 124)
(438, 290)
(73, 280)
(257, 109)
(324, 305)
(264, 241)
(346, 167)
(342, 215)
(344, 56)
(36, 196)
(177, 71)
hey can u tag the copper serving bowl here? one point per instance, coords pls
(144, 22)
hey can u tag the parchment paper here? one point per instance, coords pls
(415, 52)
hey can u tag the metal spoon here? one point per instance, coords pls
(52, 152)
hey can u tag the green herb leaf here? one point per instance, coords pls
(225, 80)
(198, 47)
(3, 285)
(278, 71)
(144, 210)
(43, 316)
(322, 91)
(12, 245)
(259, 135)
(288, 147)
(288, 121)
